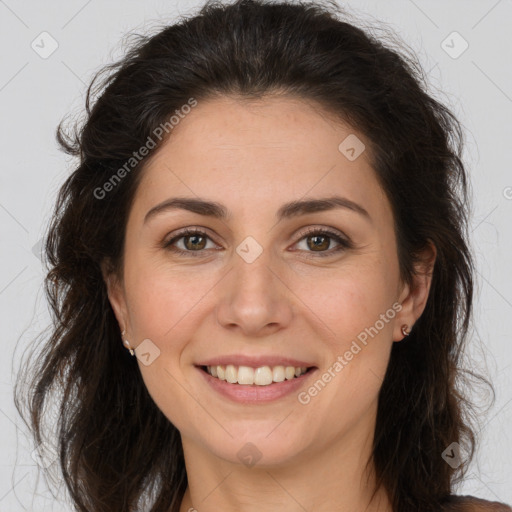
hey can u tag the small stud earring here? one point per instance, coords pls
(405, 332)
(127, 344)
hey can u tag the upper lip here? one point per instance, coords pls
(254, 361)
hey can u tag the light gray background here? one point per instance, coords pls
(36, 93)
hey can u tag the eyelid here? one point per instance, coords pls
(188, 231)
(343, 241)
(319, 229)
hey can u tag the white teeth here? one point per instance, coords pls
(231, 374)
(261, 376)
(245, 375)
(289, 372)
(278, 374)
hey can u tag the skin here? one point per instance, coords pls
(253, 157)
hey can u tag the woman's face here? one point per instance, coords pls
(263, 287)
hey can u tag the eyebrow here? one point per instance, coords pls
(287, 211)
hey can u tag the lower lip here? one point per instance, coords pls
(244, 393)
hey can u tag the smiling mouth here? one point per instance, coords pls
(261, 376)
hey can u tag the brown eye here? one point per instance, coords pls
(318, 241)
(194, 243)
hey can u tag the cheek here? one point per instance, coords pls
(349, 300)
(164, 309)
(162, 300)
(355, 307)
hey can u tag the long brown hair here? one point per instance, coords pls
(116, 447)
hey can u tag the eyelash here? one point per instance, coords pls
(343, 243)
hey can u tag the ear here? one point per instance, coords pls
(413, 297)
(116, 295)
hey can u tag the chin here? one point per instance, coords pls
(265, 448)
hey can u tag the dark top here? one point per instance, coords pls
(472, 504)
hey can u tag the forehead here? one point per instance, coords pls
(272, 125)
(249, 152)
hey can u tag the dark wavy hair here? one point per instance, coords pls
(116, 447)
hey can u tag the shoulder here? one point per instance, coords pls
(472, 504)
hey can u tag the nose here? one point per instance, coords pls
(254, 298)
